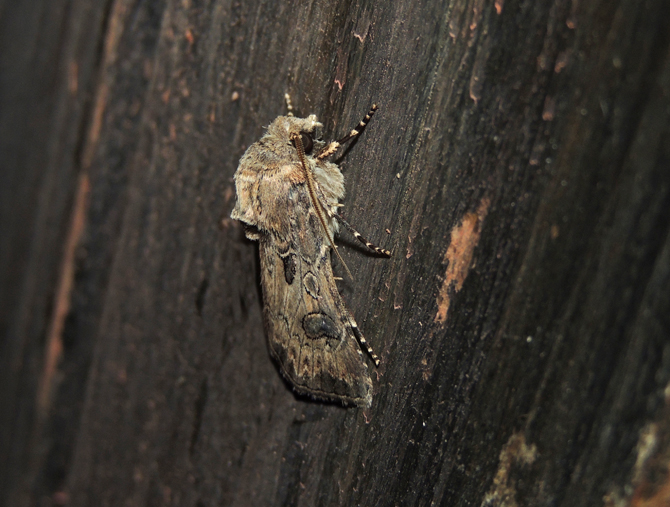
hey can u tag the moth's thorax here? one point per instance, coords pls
(270, 176)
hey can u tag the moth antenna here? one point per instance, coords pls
(332, 147)
(315, 202)
(357, 235)
(289, 106)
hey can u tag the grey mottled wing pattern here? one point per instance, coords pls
(309, 329)
(310, 332)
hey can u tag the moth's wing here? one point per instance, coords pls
(263, 182)
(310, 332)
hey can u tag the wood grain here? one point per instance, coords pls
(519, 161)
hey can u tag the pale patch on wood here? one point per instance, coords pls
(649, 485)
(464, 239)
(515, 452)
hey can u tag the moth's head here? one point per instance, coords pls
(286, 127)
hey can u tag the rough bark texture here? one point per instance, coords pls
(518, 167)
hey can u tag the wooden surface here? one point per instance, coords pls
(518, 167)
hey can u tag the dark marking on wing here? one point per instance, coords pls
(289, 267)
(320, 325)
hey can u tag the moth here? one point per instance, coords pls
(288, 195)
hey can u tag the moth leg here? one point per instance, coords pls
(361, 340)
(357, 235)
(360, 127)
(360, 238)
(332, 147)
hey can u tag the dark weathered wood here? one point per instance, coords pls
(49, 53)
(519, 161)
